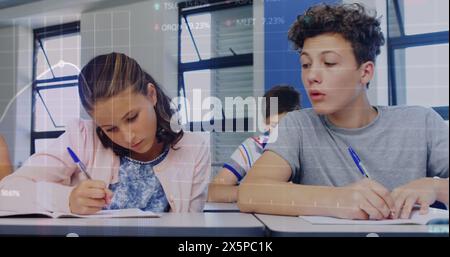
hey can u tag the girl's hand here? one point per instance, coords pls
(89, 197)
(421, 191)
(365, 199)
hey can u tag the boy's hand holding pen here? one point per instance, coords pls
(90, 196)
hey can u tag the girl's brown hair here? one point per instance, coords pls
(106, 76)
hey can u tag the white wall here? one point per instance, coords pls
(130, 29)
(378, 92)
(23, 101)
(15, 90)
(52, 12)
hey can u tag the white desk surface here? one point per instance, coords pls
(220, 207)
(279, 226)
(170, 224)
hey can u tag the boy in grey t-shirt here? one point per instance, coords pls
(396, 151)
(400, 145)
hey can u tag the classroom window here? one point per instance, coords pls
(216, 48)
(55, 100)
(425, 16)
(216, 57)
(220, 83)
(200, 27)
(43, 144)
(426, 75)
(55, 107)
(418, 53)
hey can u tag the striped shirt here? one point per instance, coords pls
(246, 154)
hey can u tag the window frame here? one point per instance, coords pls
(238, 60)
(63, 82)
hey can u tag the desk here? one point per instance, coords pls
(170, 224)
(285, 226)
(221, 207)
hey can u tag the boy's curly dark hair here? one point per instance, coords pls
(349, 20)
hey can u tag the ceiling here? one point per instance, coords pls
(40, 13)
(12, 3)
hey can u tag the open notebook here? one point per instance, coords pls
(122, 213)
(433, 216)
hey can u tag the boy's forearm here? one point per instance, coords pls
(222, 193)
(442, 190)
(283, 198)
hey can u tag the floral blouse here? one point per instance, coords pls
(138, 186)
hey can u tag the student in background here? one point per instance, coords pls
(400, 149)
(132, 155)
(5, 163)
(224, 186)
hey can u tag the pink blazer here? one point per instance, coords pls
(46, 179)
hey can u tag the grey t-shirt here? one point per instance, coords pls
(400, 145)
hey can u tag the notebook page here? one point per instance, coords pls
(416, 218)
(121, 213)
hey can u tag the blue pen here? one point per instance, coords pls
(358, 162)
(77, 161)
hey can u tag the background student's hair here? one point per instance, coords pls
(351, 21)
(288, 99)
(106, 76)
